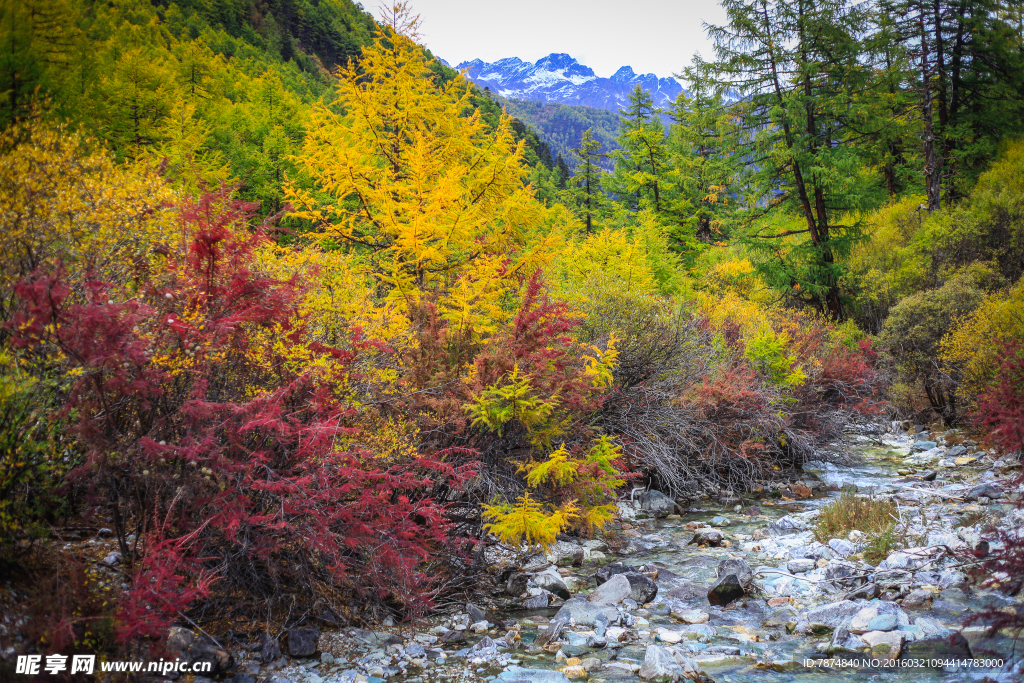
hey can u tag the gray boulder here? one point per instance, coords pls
(657, 503)
(564, 554)
(551, 580)
(843, 573)
(844, 641)
(582, 611)
(834, 614)
(660, 665)
(553, 630)
(302, 642)
(951, 646)
(984, 490)
(537, 601)
(813, 551)
(485, 644)
(738, 567)
(842, 547)
(178, 639)
(908, 560)
(785, 525)
(613, 591)
(196, 649)
(453, 636)
(611, 569)
(918, 599)
(516, 584)
(270, 650)
(889, 644)
(643, 589)
(800, 566)
(475, 613)
(951, 578)
(726, 589)
(707, 536)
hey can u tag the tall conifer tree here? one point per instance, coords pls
(795, 65)
(586, 191)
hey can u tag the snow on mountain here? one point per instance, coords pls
(560, 78)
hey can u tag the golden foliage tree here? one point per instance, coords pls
(63, 200)
(409, 176)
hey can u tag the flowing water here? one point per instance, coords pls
(748, 645)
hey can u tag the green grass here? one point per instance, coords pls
(881, 544)
(876, 517)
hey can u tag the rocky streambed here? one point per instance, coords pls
(739, 591)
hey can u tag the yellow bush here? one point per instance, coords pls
(527, 521)
(64, 199)
(610, 259)
(752, 318)
(973, 348)
(410, 178)
(584, 486)
(736, 276)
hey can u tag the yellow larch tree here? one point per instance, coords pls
(410, 178)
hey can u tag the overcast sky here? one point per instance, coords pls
(656, 36)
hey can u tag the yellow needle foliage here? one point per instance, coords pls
(512, 400)
(585, 485)
(558, 470)
(527, 521)
(409, 177)
(64, 199)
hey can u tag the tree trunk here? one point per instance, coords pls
(932, 161)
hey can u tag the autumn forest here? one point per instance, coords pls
(309, 322)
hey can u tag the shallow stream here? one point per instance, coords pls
(749, 645)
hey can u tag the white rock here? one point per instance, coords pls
(615, 633)
(894, 639)
(859, 622)
(613, 591)
(799, 566)
(693, 616)
(842, 547)
(671, 637)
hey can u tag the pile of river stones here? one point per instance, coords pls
(721, 593)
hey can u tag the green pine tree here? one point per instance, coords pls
(586, 192)
(796, 66)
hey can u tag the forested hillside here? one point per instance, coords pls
(313, 330)
(562, 126)
(216, 93)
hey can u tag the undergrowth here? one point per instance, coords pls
(873, 516)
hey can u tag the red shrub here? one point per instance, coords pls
(539, 342)
(1001, 408)
(849, 378)
(226, 473)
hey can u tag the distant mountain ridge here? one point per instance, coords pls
(560, 78)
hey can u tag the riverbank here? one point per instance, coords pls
(798, 607)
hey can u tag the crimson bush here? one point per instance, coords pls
(228, 474)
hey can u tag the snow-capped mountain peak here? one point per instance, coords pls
(560, 78)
